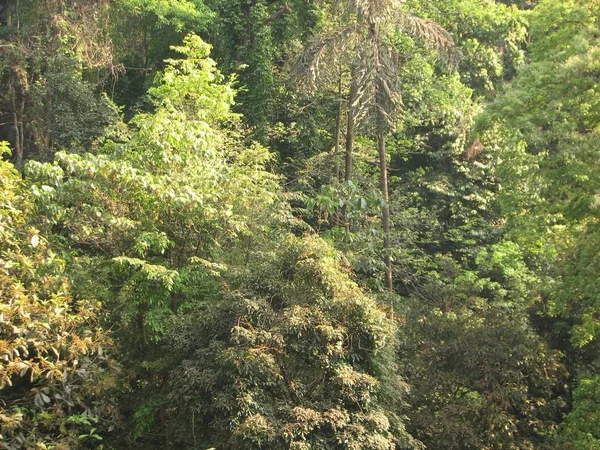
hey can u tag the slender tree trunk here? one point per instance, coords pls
(338, 216)
(19, 136)
(385, 210)
(22, 128)
(338, 132)
(9, 24)
(382, 127)
(18, 147)
(350, 126)
(17, 15)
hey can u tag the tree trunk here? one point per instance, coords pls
(22, 130)
(385, 210)
(382, 128)
(351, 123)
(338, 132)
(19, 136)
(17, 145)
(338, 216)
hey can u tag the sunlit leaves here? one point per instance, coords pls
(52, 365)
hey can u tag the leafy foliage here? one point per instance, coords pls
(551, 108)
(151, 215)
(54, 371)
(143, 32)
(290, 354)
(481, 376)
(172, 239)
(48, 104)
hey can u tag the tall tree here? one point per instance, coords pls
(153, 216)
(43, 52)
(365, 40)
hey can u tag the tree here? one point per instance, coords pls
(55, 368)
(481, 376)
(290, 354)
(142, 33)
(154, 216)
(551, 112)
(254, 39)
(43, 51)
(374, 87)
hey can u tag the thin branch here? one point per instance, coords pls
(276, 15)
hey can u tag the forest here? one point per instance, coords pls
(301, 224)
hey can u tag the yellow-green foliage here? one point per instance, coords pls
(52, 363)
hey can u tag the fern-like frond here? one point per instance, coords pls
(377, 75)
(430, 32)
(374, 11)
(316, 65)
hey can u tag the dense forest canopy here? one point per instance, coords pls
(262, 224)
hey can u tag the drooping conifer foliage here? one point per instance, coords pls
(299, 225)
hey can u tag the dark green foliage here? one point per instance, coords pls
(552, 108)
(143, 32)
(255, 39)
(580, 429)
(490, 35)
(291, 354)
(480, 375)
(47, 105)
(65, 112)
